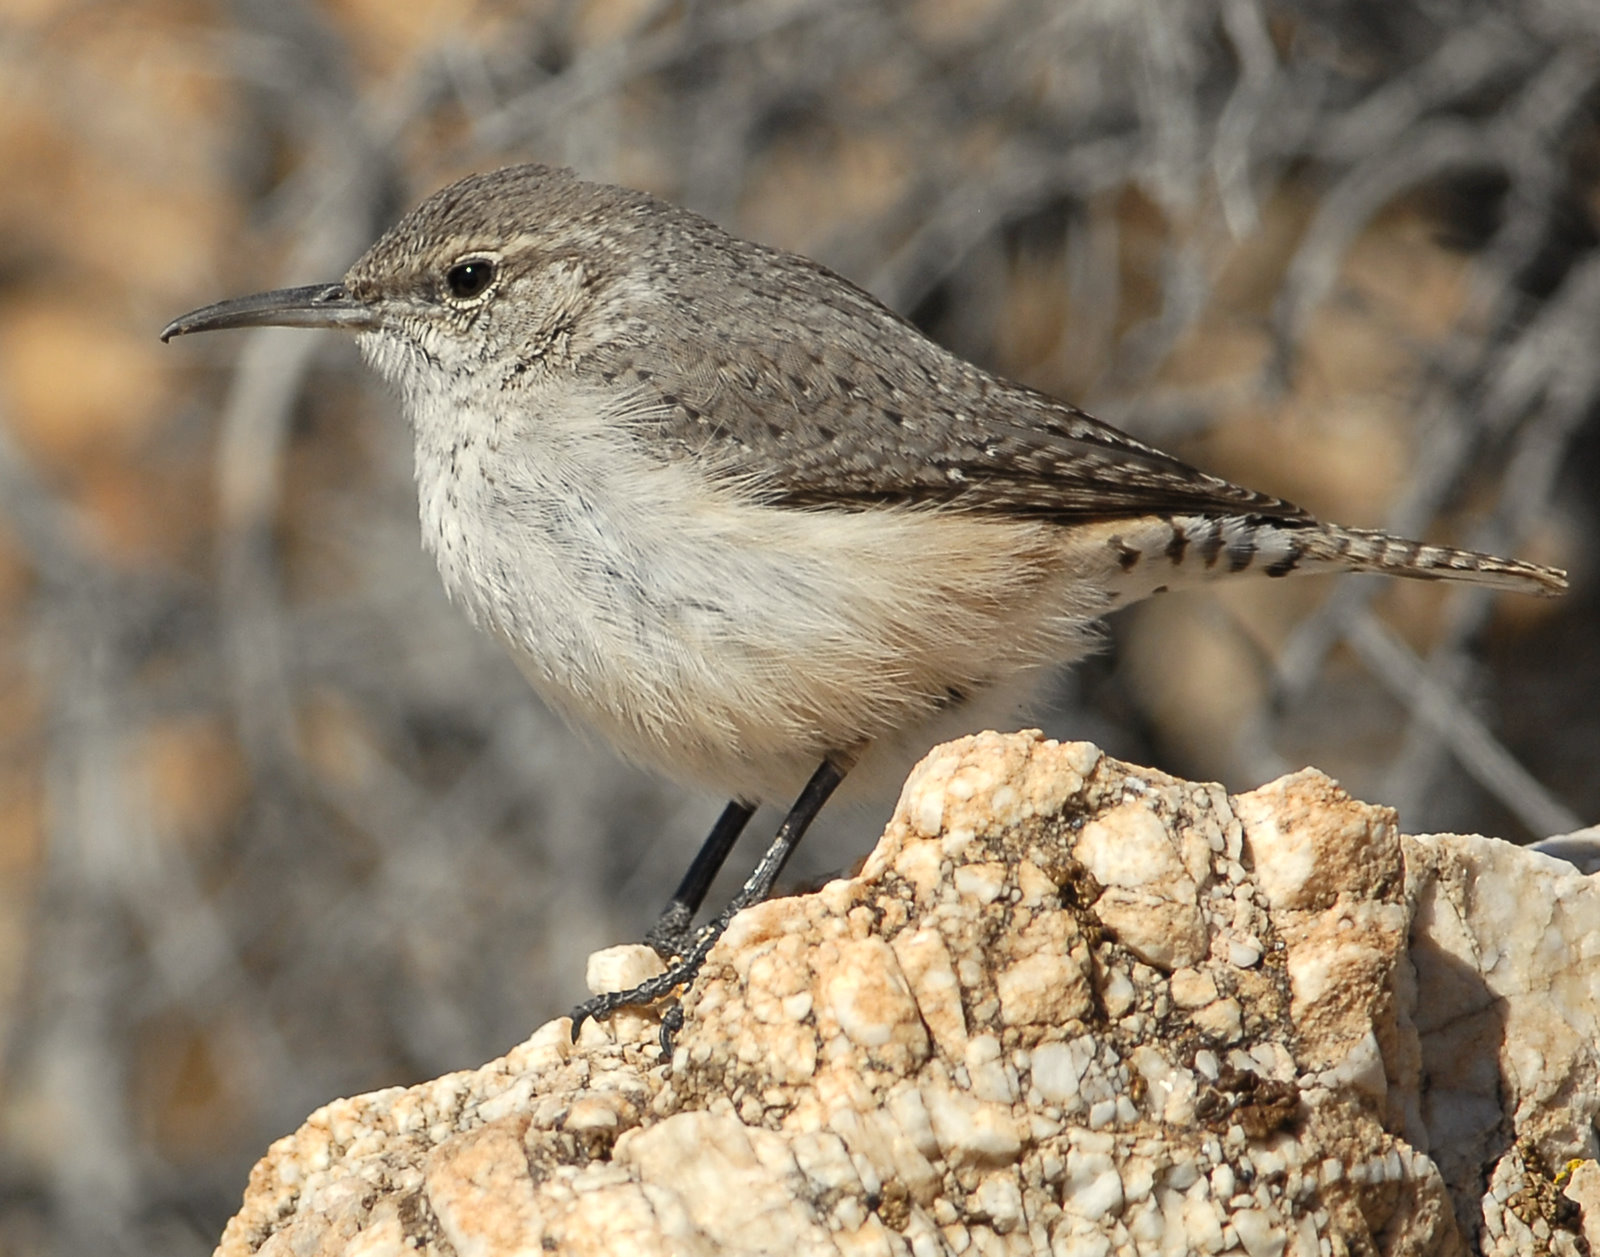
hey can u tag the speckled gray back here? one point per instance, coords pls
(780, 372)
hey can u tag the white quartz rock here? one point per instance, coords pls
(1068, 1006)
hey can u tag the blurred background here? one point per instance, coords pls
(276, 826)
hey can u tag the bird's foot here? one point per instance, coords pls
(670, 936)
(681, 972)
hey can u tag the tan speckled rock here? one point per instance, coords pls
(1068, 1007)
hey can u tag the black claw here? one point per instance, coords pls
(671, 1023)
(682, 973)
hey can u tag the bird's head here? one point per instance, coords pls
(497, 277)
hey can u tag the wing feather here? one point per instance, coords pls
(824, 397)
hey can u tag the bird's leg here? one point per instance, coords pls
(822, 784)
(670, 935)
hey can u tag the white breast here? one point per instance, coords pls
(716, 639)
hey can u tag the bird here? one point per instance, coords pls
(748, 524)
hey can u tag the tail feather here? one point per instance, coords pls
(1156, 552)
(1362, 550)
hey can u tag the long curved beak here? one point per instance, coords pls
(316, 305)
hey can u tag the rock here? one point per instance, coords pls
(1067, 1007)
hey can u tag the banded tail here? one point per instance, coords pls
(1157, 552)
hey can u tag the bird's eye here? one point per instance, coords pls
(468, 279)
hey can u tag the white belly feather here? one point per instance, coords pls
(708, 636)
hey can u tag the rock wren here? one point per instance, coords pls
(753, 527)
